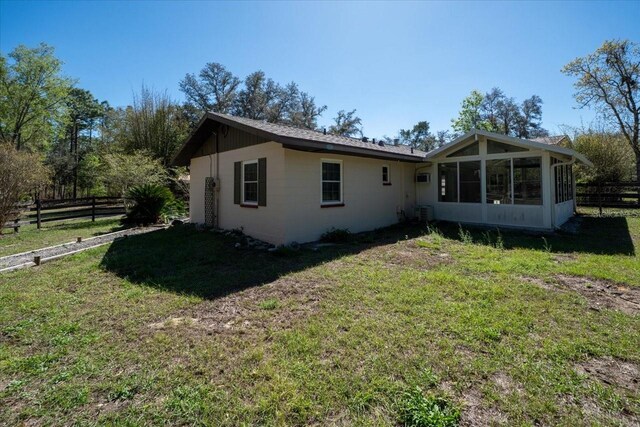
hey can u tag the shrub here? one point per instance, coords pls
(336, 235)
(148, 203)
(418, 410)
(20, 173)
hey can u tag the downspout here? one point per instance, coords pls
(553, 176)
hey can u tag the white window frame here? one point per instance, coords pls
(250, 202)
(388, 180)
(332, 202)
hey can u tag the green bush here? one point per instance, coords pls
(418, 410)
(149, 201)
(336, 235)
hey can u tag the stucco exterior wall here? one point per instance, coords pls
(368, 204)
(264, 222)
(294, 211)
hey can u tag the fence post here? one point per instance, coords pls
(93, 208)
(38, 213)
(600, 198)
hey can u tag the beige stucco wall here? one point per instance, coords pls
(367, 203)
(265, 222)
(293, 211)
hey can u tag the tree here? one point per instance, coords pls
(609, 80)
(470, 116)
(20, 173)
(609, 152)
(489, 109)
(32, 92)
(253, 100)
(215, 89)
(346, 123)
(154, 123)
(308, 114)
(83, 111)
(495, 112)
(418, 136)
(528, 122)
(508, 115)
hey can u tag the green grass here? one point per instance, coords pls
(53, 233)
(402, 326)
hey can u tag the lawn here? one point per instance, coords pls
(53, 233)
(404, 325)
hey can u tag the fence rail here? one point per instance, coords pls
(609, 195)
(42, 211)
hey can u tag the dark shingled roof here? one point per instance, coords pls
(550, 140)
(306, 139)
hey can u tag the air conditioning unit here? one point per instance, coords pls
(425, 213)
(423, 177)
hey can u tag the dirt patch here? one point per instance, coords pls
(241, 312)
(506, 384)
(614, 372)
(564, 257)
(599, 293)
(475, 413)
(407, 254)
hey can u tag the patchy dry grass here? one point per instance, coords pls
(406, 324)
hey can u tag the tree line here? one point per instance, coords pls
(86, 146)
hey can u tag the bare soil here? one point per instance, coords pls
(613, 372)
(599, 293)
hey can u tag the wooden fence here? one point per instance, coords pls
(66, 209)
(609, 195)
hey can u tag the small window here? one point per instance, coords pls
(470, 150)
(250, 182)
(385, 175)
(331, 182)
(495, 147)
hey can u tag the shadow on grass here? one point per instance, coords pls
(187, 261)
(597, 235)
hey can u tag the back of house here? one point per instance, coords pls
(282, 184)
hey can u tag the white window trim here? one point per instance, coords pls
(250, 202)
(388, 180)
(332, 202)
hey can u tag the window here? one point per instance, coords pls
(470, 187)
(563, 182)
(495, 147)
(499, 181)
(385, 175)
(527, 178)
(331, 182)
(448, 179)
(470, 150)
(250, 182)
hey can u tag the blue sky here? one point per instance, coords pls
(396, 63)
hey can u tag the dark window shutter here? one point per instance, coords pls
(237, 182)
(262, 182)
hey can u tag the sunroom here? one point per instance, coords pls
(493, 179)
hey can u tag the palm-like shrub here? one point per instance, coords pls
(148, 202)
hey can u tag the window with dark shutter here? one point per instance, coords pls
(237, 182)
(262, 182)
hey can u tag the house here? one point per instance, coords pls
(283, 184)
